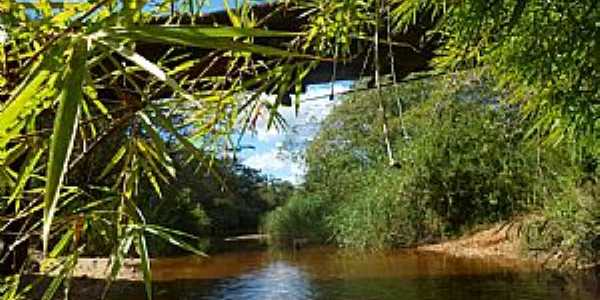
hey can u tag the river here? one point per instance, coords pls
(327, 273)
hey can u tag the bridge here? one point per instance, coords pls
(410, 51)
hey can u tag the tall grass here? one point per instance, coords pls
(302, 217)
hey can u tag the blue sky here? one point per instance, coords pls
(213, 5)
(209, 5)
(268, 155)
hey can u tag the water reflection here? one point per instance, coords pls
(278, 280)
(328, 274)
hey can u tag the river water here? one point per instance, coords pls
(327, 273)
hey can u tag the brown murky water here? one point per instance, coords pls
(326, 273)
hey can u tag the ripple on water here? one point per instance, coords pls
(278, 280)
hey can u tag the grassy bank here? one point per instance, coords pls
(465, 159)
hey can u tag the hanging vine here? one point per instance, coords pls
(382, 111)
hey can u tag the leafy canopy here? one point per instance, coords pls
(544, 53)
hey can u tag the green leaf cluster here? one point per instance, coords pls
(543, 53)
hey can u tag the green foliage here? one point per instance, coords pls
(569, 224)
(198, 203)
(333, 26)
(464, 161)
(9, 288)
(232, 207)
(303, 216)
(64, 132)
(544, 54)
(468, 160)
(378, 216)
(178, 212)
(86, 145)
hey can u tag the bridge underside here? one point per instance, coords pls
(410, 51)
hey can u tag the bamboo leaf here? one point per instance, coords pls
(161, 148)
(148, 66)
(14, 153)
(116, 259)
(148, 173)
(114, 161)
(63, 134)
(174, 237)
(199, 31)
(12, 114)
(24, 176)
(56, 282)
(54, 285)
(185, 142)
(60, 247)
(150, 159)
(207, 38)
(27, 98)
(142, 248)
(235, 20)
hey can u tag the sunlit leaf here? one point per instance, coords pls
(142, 249)
(114, 161)
(24, 177)
(64, 133)
(174, 237)
(208, 38)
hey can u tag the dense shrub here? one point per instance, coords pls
(465, 160)
(303, 216)
(231, 200)
(569, 223)
(181, 213)
(469, 163)
(378, 216)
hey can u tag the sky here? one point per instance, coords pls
(213, 5)
(269, 155)
(209, 5)
(216, 5)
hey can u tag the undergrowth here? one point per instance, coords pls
(466, 158)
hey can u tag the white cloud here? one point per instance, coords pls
(266, 161)
(273, 163)
(267, 135)
(314, 108)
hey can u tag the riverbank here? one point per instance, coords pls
(166, 268)
(505, 241)
(500, 242)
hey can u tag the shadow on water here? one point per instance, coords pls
(326, 273)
